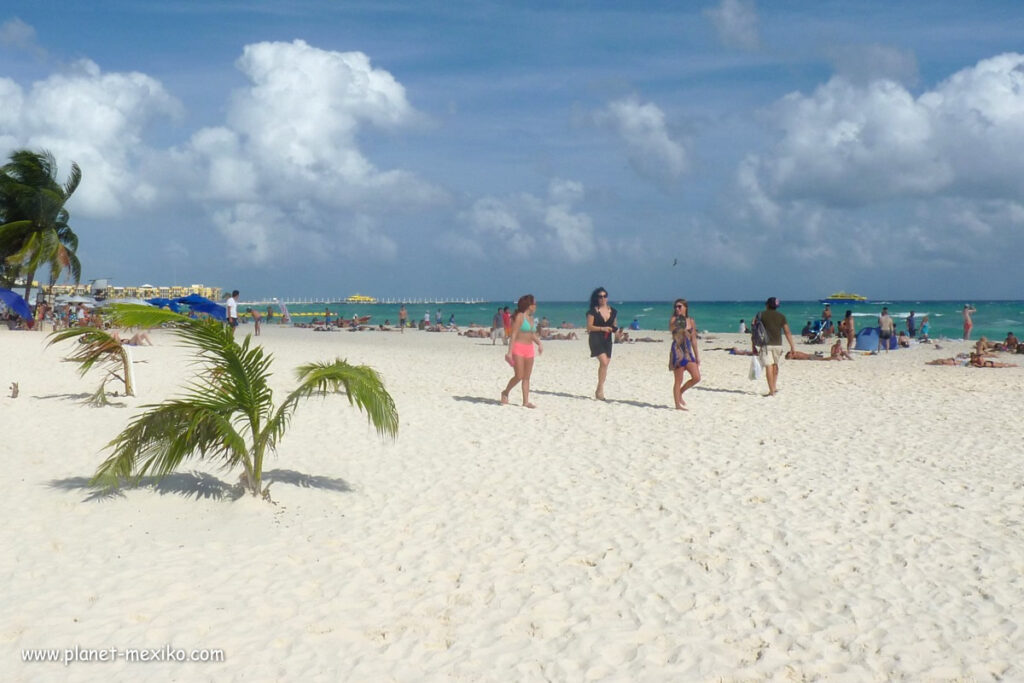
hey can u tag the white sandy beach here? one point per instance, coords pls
(865, 524)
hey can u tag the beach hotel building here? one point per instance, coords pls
(139, 292)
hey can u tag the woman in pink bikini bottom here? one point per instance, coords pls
(521, 353)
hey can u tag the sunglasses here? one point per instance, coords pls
(602, 296)
(679, 305)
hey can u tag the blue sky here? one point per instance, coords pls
(486, 149)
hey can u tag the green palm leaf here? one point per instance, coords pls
(141, 315)
(158, 441)
(361, 384)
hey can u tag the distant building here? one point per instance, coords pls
(140, 291)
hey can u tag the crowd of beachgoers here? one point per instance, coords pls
(840, 337)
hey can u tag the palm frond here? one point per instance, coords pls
(141, 315)
(28, 253)
(362, 385)
(159, 440)
(238, 373)
(74, 178)
(74, 267)
(13, 234)
(235, 376)
(246, 371)
(208, 336)
(97, 346)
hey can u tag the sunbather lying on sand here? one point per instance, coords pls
(980, 361)
(548, 335)
(138, 339)
(975, 361)
(802, 355)
(949, 361)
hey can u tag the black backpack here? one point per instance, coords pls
(758, 335)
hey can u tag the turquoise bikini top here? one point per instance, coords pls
(526, 326)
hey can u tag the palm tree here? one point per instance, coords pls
(34, 230)
(228, 411)
(99, 347)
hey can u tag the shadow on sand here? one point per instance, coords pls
(198, 485)
(305, 481)
(620, 401)
(478, 399)
(724, 391)
(84, 398)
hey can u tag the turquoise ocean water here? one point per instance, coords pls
(993, 319)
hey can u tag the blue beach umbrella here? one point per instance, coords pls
(193, 300)
(160, 302)
(212, 309)
(16, 303)
(201, 304)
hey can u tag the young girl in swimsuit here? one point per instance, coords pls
(520, 355)
(684, 355)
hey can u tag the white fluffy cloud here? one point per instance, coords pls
(284, 168)
(516, 226)
(651, 150)
(304, 106)
(873, 177)
(849, 144)
(290, 145)
(95, 119)
(736, 22)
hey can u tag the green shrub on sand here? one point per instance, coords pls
(227, 412)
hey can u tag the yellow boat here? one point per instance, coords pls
(843, 297)
(360, 299)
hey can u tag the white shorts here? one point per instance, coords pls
(498, 333)
(774, 352)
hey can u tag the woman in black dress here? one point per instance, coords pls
(601, 326)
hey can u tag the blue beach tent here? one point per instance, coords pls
(16, 303)
(867, 340)
(201, 304)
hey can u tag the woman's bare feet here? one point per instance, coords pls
(529, 405)
(504, 398)
(599, 395)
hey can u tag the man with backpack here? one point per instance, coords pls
(766, 340)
